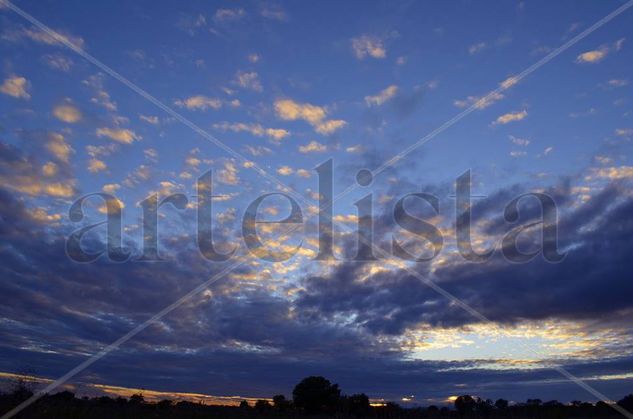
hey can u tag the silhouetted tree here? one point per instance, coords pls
(465, 404)
(358, 405)
(626, 402)
(244, 404)
(501, 404)
(137, 399)
(263, 406)
(280, 402)
(315, 394)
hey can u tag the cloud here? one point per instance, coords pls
(330, 126)
(58, 62)
(476, 48)
(290, 110)
(382, 97)
(510, 117)
(253, 58)
(597, 55)
(248, 80)
(276, 134)
(624, 132)
(16, 86)
(285, 171)
(41, 37)
(371, 46)
(274, 12)
(229, 15)
(480, 102)
(199, 102)
(111, 188)
(102, 97)
(58, 147)
(95, 166)
(67, 112)
(228, 174)
(519, 141)
(312, 147)
(121, 135)
(618, 82)
(150, 119)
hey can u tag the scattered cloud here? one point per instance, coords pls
(121, 135)
(248, 80)
(285, 171)
(199, 102)
(41, 37)
(479, 102)
(382, 97)
(618, 82)
(58, 147)
(519, 141)
(96, 165)
(150, 119)
(254, 129)
(597, 55)
(510, 117)
(476, 48)
(368, 46)
(254, 58)
(274, 12)
(312, 147)
(229, 15)
(290, 110)
(228, 174)
(58, 62)
(16, 86)
(624, 132)
(67, 112)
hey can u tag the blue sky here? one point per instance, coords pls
(287, 86)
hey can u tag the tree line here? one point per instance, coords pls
(314, 397)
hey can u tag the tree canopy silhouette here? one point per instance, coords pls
(316, 394)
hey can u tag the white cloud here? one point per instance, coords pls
(58, 62)
(121, 135)
(290, 110)
(228, 175)
(618, 82)
(285, 171)
(248, 81)
(624, 132)
(510, 117)
(111, 188)
(254, 129)
(476, 48)
(228, 15)
(382, 97)
(37, 35)
(312, 147)
(329, 126)
(480, 102)
(371, 46)
(150, 119)
(16, 86)
(96, 165)
(58, 147)
(597, 55)
(519, 141)
(199, 102)
(254, 58)
(67, 112)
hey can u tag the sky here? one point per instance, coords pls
(152, 95)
